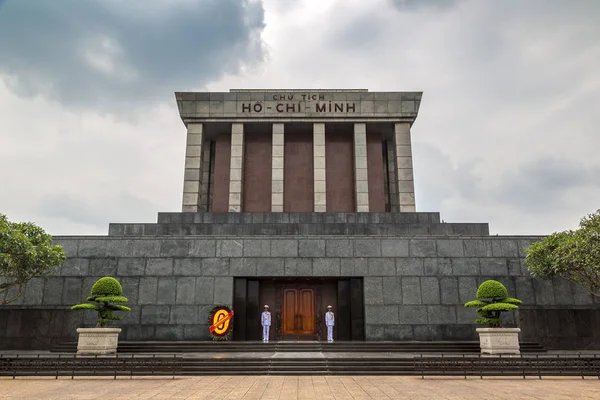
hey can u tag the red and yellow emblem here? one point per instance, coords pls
(221, 321)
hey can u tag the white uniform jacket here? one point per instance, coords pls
(265, 319)
(329, 318)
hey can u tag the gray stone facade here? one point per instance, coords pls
(239, 104)
(416, 279)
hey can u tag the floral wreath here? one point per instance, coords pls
(210, 322)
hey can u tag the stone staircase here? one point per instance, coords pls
(300, 366)
(303, 358)
(300, 347)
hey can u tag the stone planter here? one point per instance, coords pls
(97, 340)
(499, 340)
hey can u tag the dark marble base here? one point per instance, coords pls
(417, 274)
(559, 328)
(555, 329)
(37, 329)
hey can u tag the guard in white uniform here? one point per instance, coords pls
(330, 322)
(265, 321)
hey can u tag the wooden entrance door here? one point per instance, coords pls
(298, 314)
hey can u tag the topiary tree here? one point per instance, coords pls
(105, 292)
(26, 252)
(572, 255)
(492, 298)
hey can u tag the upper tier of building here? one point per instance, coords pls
(298, 104)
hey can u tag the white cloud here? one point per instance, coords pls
(507, 131)
(105, 55)
(505, 86)
(85, 162)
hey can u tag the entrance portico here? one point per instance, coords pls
(298, 306)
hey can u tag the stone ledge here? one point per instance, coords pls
(299, 229)
(70, 241)
(300, 218)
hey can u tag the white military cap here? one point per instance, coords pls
(329, 307)
(266, 306)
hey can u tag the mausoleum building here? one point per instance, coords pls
(300, 199)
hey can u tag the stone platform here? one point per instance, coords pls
(299, 224)
(417, 273)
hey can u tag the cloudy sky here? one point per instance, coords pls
(508, 131)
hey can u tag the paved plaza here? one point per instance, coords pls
(291, 387)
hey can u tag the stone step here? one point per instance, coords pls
(452, 365)
(302, 218)
(299, 229)
(350, 347)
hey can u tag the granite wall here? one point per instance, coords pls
(414, 286)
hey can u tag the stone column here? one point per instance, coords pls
(277, 168)
(236, 167)
(361, 177)
(320, 203)
(205, 177)
(391, 178)
(192, 178)
(404, 169)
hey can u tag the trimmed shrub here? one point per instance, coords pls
(107, 286)
(491, 290)
(492, 300)
(105, 292)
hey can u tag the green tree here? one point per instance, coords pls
(105, 292)
(492, 300)
(26, 252)
(572, 255)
